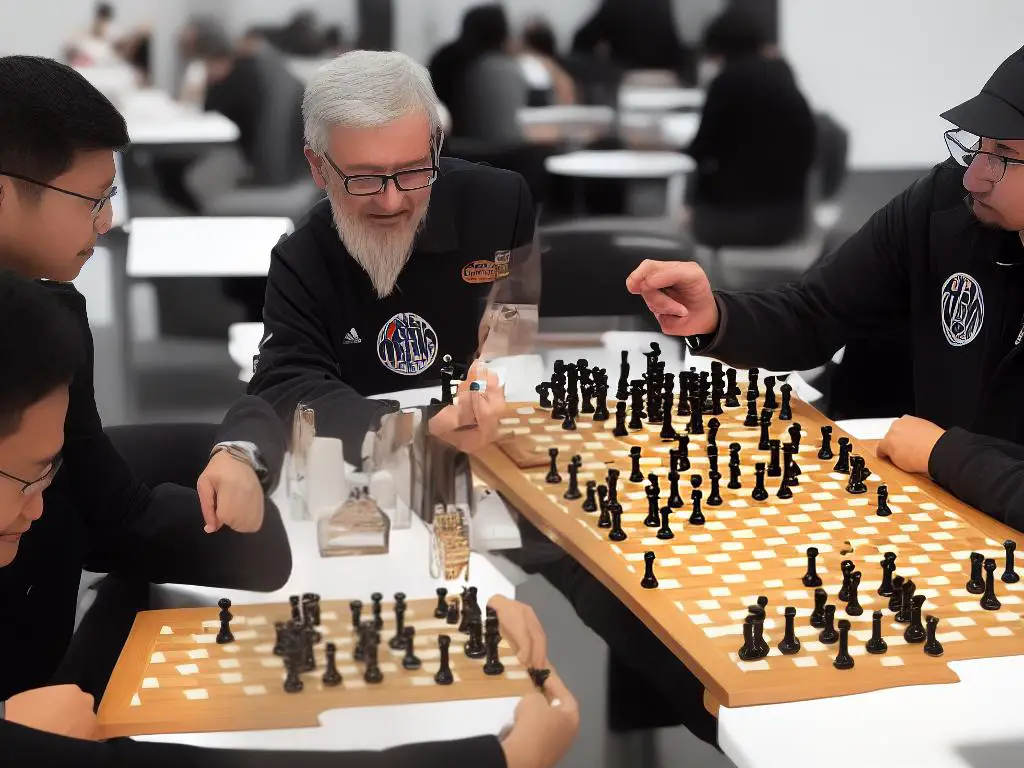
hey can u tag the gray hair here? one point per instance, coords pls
(367, 89)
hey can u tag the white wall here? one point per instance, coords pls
(886, 69)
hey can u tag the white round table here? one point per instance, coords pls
(634, 98)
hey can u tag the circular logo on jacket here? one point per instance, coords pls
(407, 344)
(963, 309)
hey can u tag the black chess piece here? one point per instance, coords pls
(280, 627)
(1010, 576)
(817, 619)
(713, 426)
(696, 417)
(825, 452)
(652, 479)
(635, 475)
(876, 644)
(616, 533)
(307, 635)
(846, 568)
(752, 375)
(604, 520)
(828, 634)
(843, 463)
(713, 458)
(590, 502)
(885, 589)
(447, 375)
(601, 411)
(623, 387)
(293, 600)
(761, 648)
(474, 647)
(649, 581)
(751, 420)
(410, 661)
(786, 409)
(774, 466)
(748, 651)
(764, 442)
(293, 664)
(906, 610)
(331, 676)
(311, 608)
(573, 491)
(732, 390)
(454, 615)
(493, 665)
(378, 620)
(552, 476)
(789, 643)
(696, 515)
(444, 674)
(915, 632)
(769, 393)
(784, 492)
(398, 641)
(683, 453)
(811, 578)
(856, 483)
(853, 606)
(795, 433)
(441, 611)
(612, 481)
(760, 493)
(675, 500)
(789, 468)
(636, 414)
(989, 601)
(976, 583)
(714, 496)
(620, 420)
(225, 635)
(362, 640)
(896, 599)
(544, 390)
(665, 532)
(571, 412)
(932, 646)
(668, 432)
(843, 659)
(882, 508)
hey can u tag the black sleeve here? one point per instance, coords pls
(591, 34)
(252, 420)
(21, 746)
(856, 291)
(714, 123)
(297, 364)
(985, 472)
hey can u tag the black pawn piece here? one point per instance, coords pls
(876, 644)
(696, 515)
(410, 661)
(989, 601)
(760, 493)
(786, 410)
(573, 491)
(225, 635)
(493, 665)
(896, 599)
(620, 420)
(976, 584)
(932, 646)
(397, 642)
(635, 475)
(454, 616)
(853, 606)
(751, 419)
(915, 632)
(715, 495)
(843, 659)
(444, 674)
(666, 531)
(590, 502)
(616, 533)
(1010, 576)
(811, 578)
(553, 477)
(378, 620)
(882, 509)
(828, 634)
(774, 466)
(649, 581)
(857, 472)
(885, 589)
(843, 463)
(818, 614)
(789, 643)
(441, 611)
(331, 675)
(675, 500)
(846, 568)
(825, 452)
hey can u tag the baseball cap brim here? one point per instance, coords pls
(988, 117)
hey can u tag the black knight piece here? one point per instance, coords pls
(683, 453)
(544, 391)
(932, 646)
(795, 433)
(846, 568)
(843, 463)
(906, 610)
(853, 606)
(493, 665)
(856, 484)
(440, 612)
(474, 647)
(896, 599)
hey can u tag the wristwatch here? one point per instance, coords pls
(247, 453)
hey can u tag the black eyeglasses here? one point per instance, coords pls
(965, 147)
(33, 487)
(374, 183)
(97, 202)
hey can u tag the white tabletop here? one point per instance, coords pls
(568, 114)
(154, 118)
(203, 246)
(620, 164)
(654, 99)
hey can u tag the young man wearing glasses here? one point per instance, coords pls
(945, 265)
(58, 135)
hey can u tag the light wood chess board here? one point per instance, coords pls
(708, 575)
(173, 677)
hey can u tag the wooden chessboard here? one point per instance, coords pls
(172, 676)
(709, 575)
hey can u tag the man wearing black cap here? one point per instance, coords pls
(946, 265)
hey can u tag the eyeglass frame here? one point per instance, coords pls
(42, 482)
(949, 137)
(98, 203)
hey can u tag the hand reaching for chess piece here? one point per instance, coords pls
(472, 423)
(64, 710)
(909, 443)
(679, 295)
(545, 727)
(230, 494)
(520, 626)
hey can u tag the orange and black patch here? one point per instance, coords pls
(479, 271)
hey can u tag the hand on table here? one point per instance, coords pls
(472, 423)
(521, 626)
(545, 727)
(679, 295)
(60, 709)
(230, 494)
(909, 442)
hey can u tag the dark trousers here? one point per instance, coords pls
(156, 453)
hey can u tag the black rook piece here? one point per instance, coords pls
(843, 659)
(649, 581)
(989, 601)
(876, 644)
(1010, 576)
(811, 578)
(790, 644)
(444, 673)
(932, 646)
(825, 453)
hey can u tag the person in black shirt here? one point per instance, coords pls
(55, 725)
(947, 265)
(57, 140)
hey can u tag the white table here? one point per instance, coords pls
(203, 246)
(573, 122)
(154, 119)
(635, 98)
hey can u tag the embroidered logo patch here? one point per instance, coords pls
(480, 271)
(502, 264)
(407, 344)
(962, 308)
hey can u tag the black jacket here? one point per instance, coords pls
(25, 747)
(922, 261)
(98, 517)
(330, 343)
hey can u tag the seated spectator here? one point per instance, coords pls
(539, 58)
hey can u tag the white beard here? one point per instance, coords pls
(382, 253)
